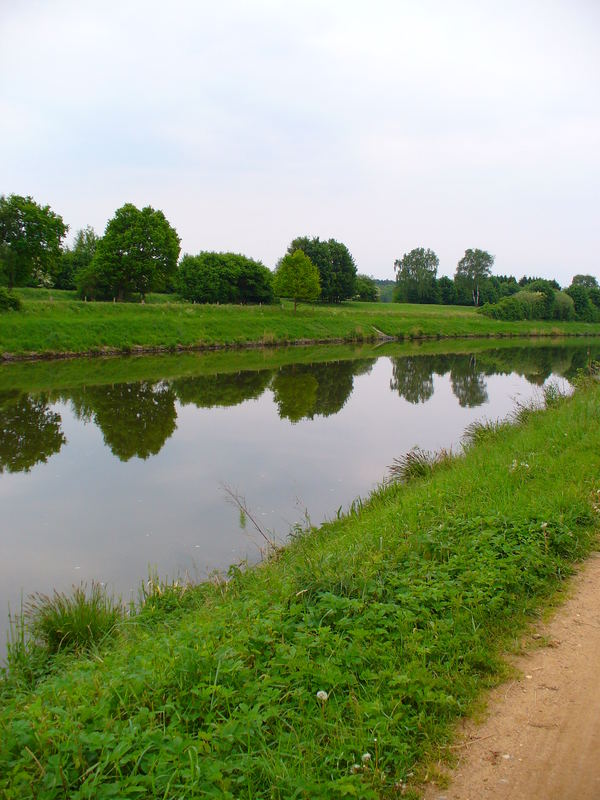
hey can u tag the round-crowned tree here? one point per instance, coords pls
(138, 253)
(297, 278)
(337, 270)
(30, 238)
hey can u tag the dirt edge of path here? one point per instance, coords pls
(541, 735)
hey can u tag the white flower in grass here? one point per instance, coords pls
(365, 758)
(322, 696)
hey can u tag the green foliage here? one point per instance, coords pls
(564, 307)
(473, 270)
(297, 278)
(337, 270)
(396, 614)
(75, 259)
(385, 290)
(416, 276)
(526, 282)
(587, 281)
(583, 297)
(447, 291)
(223, 278)
(9, 301)
(30, 238)
(138, 253)
(366, 289)
(539, 300)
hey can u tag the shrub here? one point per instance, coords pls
(8, 301)
(522, 305)
(223, 278)
(564, 307)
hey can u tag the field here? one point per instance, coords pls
(54, 323)
(338, 666)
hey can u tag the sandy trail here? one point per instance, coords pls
(541, 738)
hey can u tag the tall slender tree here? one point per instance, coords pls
(473, 269)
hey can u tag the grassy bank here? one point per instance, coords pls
(398, 612)
(62, 325)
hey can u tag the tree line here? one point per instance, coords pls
(497, 296)
(139, 253)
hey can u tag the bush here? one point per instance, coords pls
(8, 301)
(223, 278)
(564, 307)
(522, 305)
(585, 309)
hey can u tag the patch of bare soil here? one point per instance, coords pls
(541, 738)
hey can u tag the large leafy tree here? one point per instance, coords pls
(297, 278)
(337, 270)
(474, 268)
(30, 238)
(138, 253)
(416, 275)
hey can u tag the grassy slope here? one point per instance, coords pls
(67, 326)
(399, 611)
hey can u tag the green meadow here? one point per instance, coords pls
(53, 323)
(336, 667)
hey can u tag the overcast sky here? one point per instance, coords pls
(385, 125)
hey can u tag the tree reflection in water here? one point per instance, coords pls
(304, 391)
(29, 431)
(136, 419)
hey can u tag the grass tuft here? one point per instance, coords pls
(417, 463)
(73, 621)
(483, 430)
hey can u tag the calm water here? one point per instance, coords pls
(111, 467)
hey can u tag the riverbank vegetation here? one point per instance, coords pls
(59, 325)
(342, 661)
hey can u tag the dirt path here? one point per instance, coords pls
(541, 738)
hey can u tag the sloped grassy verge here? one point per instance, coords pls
(330, 670)
(48, 329)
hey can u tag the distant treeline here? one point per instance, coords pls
(140, 252)
(498, 296)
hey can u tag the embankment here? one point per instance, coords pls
(53, 329)
(336, 666)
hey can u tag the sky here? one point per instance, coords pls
(387, 125)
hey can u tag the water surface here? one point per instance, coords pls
(112, 467)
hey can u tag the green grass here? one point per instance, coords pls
(399, 611)
(62, 325)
